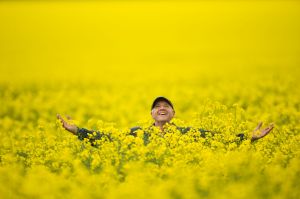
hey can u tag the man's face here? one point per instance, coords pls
(162, 112)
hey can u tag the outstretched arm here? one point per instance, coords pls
(260, 133)
(69, 127)
(82, 133)
(257, 133)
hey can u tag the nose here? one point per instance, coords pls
(161, 108)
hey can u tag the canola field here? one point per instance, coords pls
(225, 65)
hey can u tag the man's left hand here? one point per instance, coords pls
(260, 133)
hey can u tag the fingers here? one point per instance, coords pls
(60, 118)
(263, 132)
(258, 126)
(269, 128)
(64, 123)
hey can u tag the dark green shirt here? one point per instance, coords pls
(83, 133)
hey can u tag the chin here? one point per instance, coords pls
(164, 120)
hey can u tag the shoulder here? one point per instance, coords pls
(183, 129)
(133, 130)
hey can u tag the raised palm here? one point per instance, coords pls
(69, 127)
(260, 133)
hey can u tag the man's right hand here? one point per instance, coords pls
(69, 127)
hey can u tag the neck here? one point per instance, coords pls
(160, 124)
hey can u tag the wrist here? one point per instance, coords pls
(76, 129)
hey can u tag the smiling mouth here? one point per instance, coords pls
(163, 113)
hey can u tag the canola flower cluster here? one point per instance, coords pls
(39, 159)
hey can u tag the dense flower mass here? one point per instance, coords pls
(225, 65)
(40, 159)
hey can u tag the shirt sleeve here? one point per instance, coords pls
(133, 130)
(241, 136)
(204, 132)
(91, 135)
(83, 133)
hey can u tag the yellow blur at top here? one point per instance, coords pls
(104, 39)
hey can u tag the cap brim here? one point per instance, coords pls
(158, 99)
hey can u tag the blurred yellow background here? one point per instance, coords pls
(128, 39)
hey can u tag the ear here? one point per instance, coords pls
(151, 113)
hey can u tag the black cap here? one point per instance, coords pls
(158, 99)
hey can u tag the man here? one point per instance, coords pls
(162, 111)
